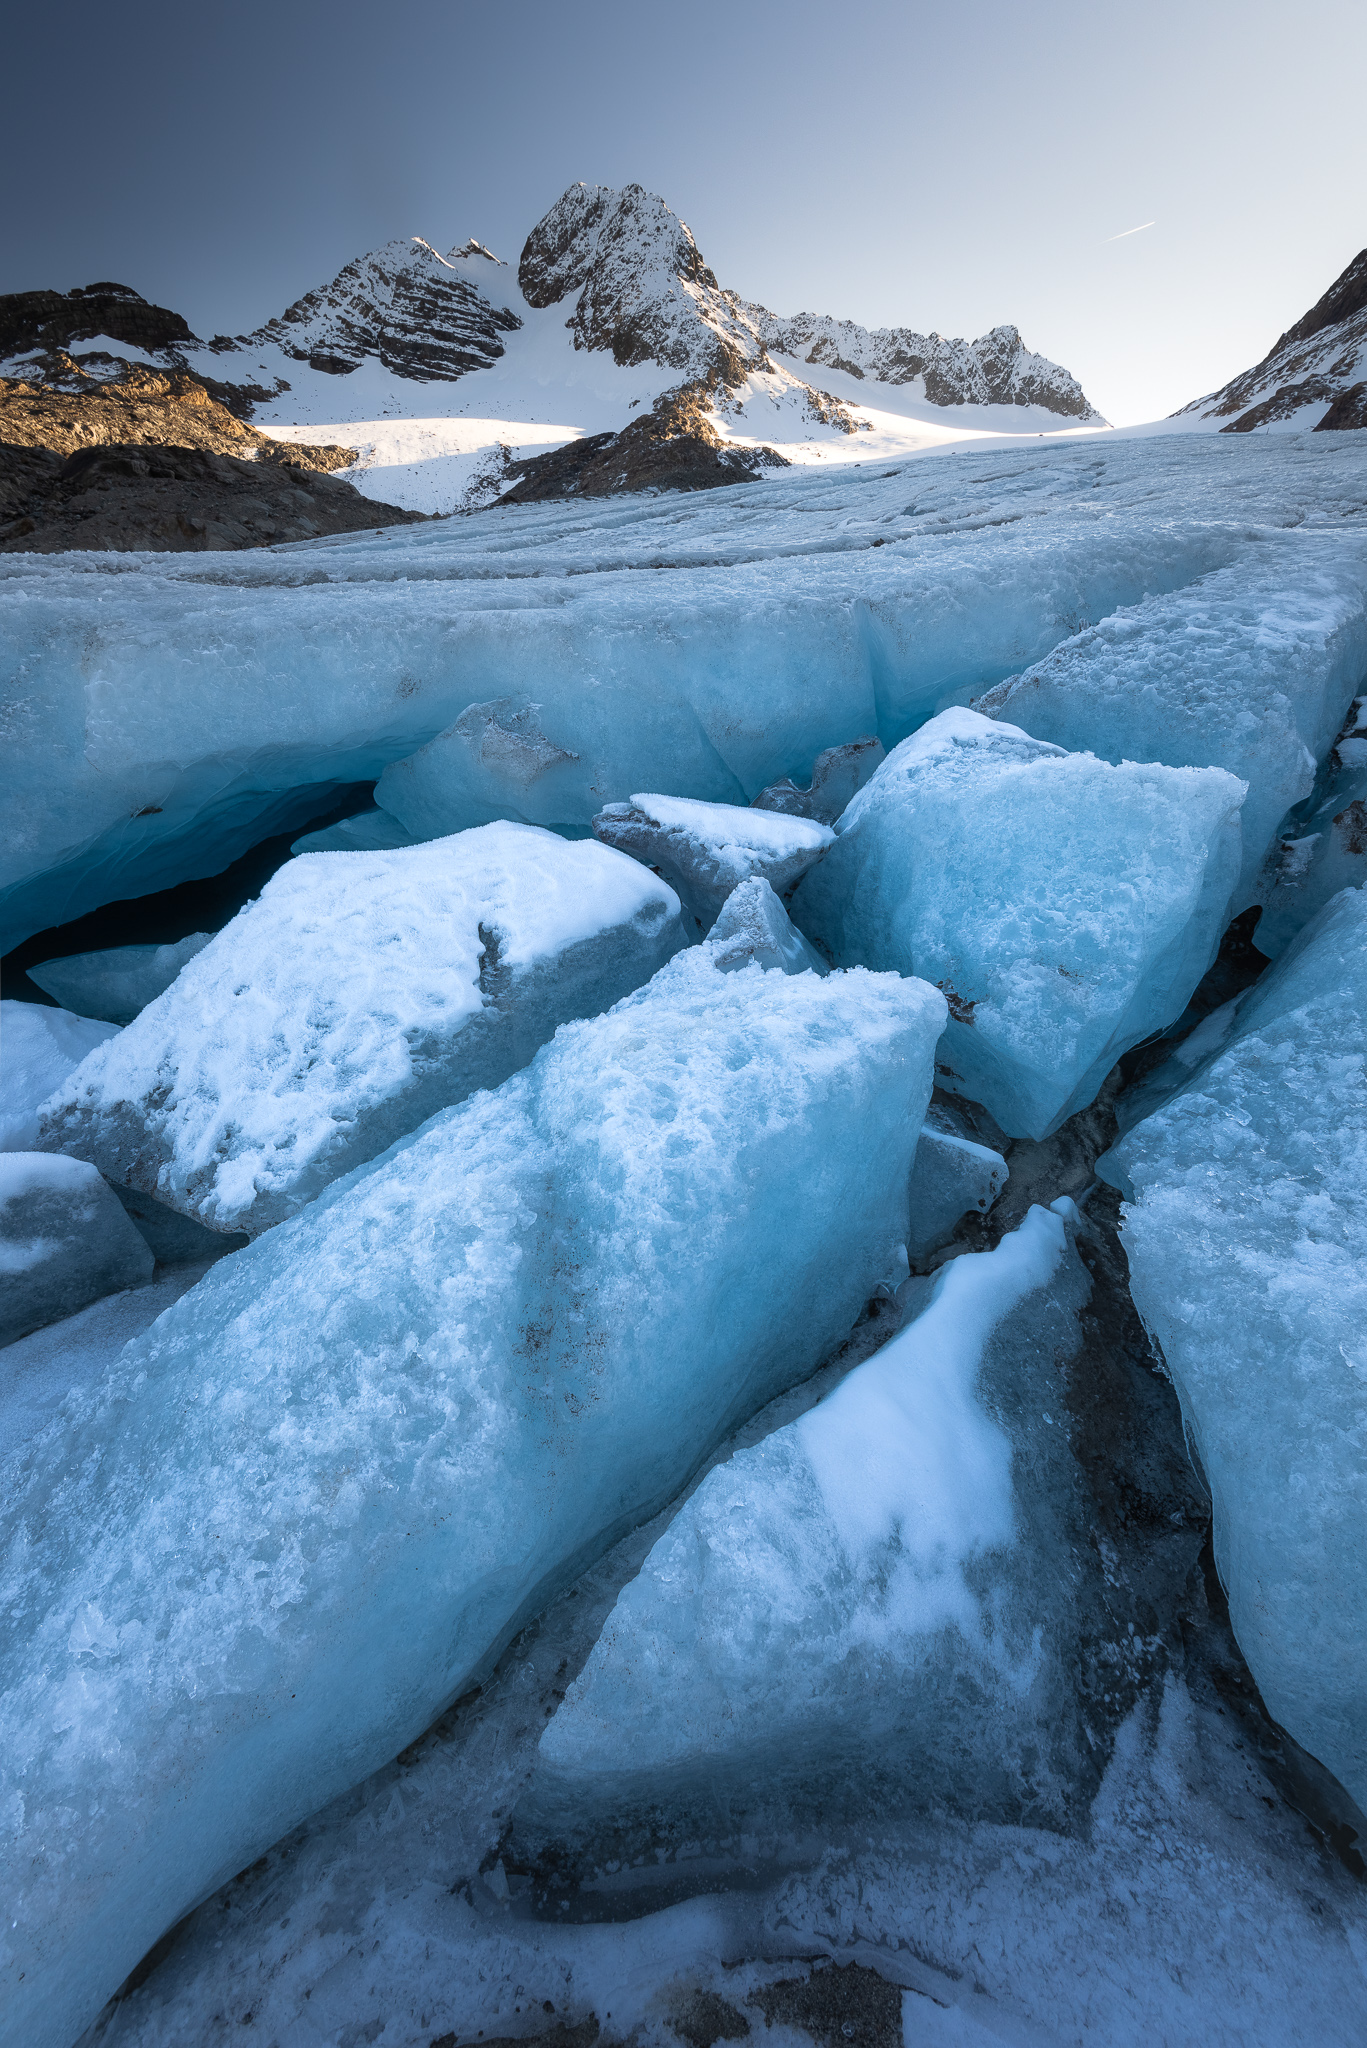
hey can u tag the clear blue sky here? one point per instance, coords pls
(941, 166)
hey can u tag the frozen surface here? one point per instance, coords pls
(705, 850)
(906, 1545)
(1068, 907)
(425, 1404)
(64, 1241)
(754, 926)
(836, 774)
(1246, 1233)
(1323, 848)
(952, 1176)
(162, 714)
(1251, 669)
(116, 984)
(356, 996)
(372, 831)
(39, 1047)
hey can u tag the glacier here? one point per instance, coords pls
(1322, 847)
(879, 1607)
(39, 1048)
(164, 714)
(118, 982)
(1067, 907)
(356, 996)
(1245, 1227)
(311, 1504)
(704, 851)
(64, 1241)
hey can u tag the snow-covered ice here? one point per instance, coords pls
(64, 1241)
(116, 984)
(1068, 907)
(424, 1404)
(1246, 1233)
(754, 926)
(1252, 669)
(39, 1047)
(705, 850)
(357, 995)
(165, 713)
(908, 1545)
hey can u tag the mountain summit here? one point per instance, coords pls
(1314, 375)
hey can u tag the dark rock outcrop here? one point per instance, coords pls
(53, 320)
(151, 407)
(170, 499)
(673, 447)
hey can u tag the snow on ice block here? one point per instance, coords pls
(309, 1507)
(755, 928)
(1246, 1234)
(116, 984)
(878, 1602)
(952, 1176)
(357, 995)
(1067, 907)
(64, 1241)
(1251, 669)
(39, 1048)
(705, 850)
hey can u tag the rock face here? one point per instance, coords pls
(170, 499)
(1321, 361)
(425, 316)
(53, 320)
(645, 293)
(673, 447)
(168, 409)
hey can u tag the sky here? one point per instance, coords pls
(937, 167)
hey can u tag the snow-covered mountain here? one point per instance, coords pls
(1314, 375)
(451, 374)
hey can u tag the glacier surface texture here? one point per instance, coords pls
(355, 997)
(64, 1241)
(1246, 1232)
(1067, 907)
(163, 714)
(310, 1505)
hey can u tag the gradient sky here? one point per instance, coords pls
(943, 167)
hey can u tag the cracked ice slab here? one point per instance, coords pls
(162, 714)
(308, 1508)
(706, 850)
(39, 1048)
(64, 1241)
(1246, 1234)
(357, 995)
(1067, 907)
(880, 1601)
(1251, 669)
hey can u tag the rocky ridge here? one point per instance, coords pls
(1321, 361)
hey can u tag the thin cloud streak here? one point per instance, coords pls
(1132, 231)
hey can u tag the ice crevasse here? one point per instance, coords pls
(355, 997)
(1067, 906)
(1246, 1233)
(162, 715)
(425, 1403)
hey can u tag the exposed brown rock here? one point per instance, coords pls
(673, 447)
(1319, 358)
(164, 408)
(1349, 410)
(180, 500)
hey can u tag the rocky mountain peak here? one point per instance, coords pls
(53, 320)
(1317, 366)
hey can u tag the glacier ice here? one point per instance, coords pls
(1323, 849)
(357, 995)
(311, 1504)
(704, 850)
(39, 1048)
(879, 1603)
(754, 927)
(370, 831)
(1251, 669)
(837, 775)
(1067, 907)
(64, 1241)
(162, 714)
(953, 1176)
(1246, 1233)
(119, 982)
